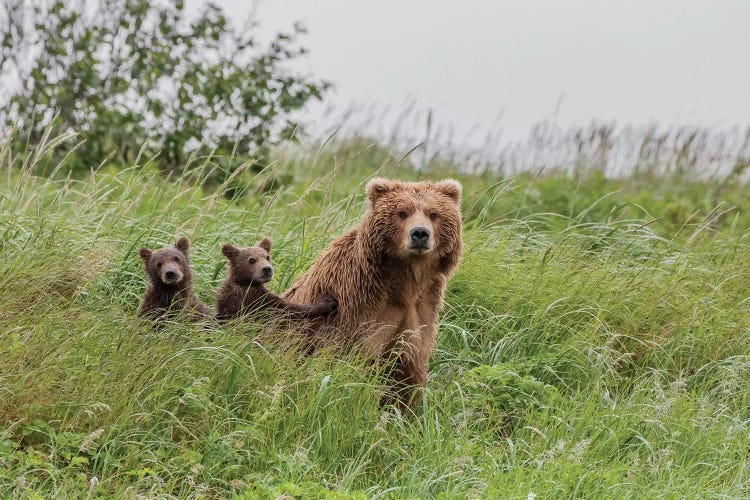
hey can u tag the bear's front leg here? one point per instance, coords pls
(408, 375)
(413, 349)
(419, 342)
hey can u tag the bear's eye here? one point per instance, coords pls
(268, 257)
(252, 261)
(433, 216)
(402, 215)
(176, 258)
(158, 264)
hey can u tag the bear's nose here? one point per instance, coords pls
(419, 236)
(267, 270)
(170, 275)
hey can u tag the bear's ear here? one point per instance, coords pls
(145, 254)
(451, 188)
(377, 187)
(265, 244)
(230, 251)
(183, 245)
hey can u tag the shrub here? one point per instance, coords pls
(124, 74)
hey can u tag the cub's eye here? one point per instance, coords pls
(268, 257)
(433, 216)
(403, 215)
(176, 258)
(252, 261)
(158, 264)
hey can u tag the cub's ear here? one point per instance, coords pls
(183, 245)
(230, 251)
(451, 188)
(265, 244)
(145, 254)
(377, 187)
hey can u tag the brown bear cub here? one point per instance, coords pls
(171, 290)
(244, 291)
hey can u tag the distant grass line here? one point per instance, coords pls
(595, 341)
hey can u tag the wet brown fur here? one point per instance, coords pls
(389, 296)
(171, 298)
(244, 292)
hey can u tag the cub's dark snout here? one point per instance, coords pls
(420, 236)
(267, 271)
(171, 275)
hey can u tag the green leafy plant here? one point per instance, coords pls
(136, 79)
(503, 388)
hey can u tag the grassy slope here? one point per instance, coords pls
(595, 342)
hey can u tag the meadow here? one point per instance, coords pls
(595, 341)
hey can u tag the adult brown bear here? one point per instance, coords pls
(389, 274)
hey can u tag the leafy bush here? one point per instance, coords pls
(502, 388)
(135, 79)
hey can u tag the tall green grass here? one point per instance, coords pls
(595, 340)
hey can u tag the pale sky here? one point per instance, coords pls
(635, 61)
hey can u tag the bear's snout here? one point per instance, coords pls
(266, 273)
(420, 238)
(171, 275)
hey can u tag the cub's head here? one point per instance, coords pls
(251, 265)
(414, 219)
(168, 266)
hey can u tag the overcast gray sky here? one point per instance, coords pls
(635, 61)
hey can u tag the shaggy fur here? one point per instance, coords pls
(389, 274)
(170, 292)
(244, 292)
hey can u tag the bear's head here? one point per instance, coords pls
(168, 266)
(414, 219)
(249, 266)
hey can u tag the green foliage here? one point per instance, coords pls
(503, 389)
(583, 351)
(136, 79)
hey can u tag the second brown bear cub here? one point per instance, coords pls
(244, 291)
